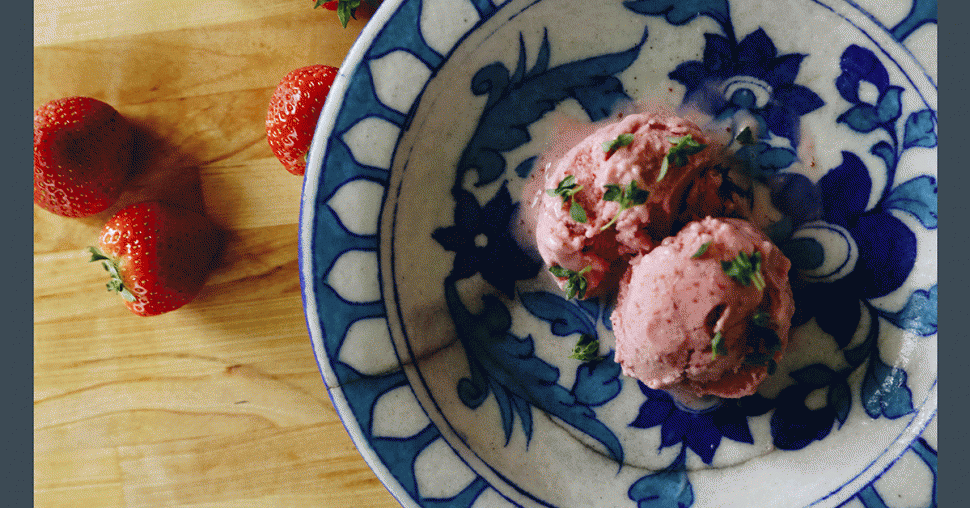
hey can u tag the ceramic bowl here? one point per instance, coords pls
(445, 344)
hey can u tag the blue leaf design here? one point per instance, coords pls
(503, 399)
(506, 366)
(776, 158)
(856, 355)
(890, 105)
(886, 152)
(598, 97)
(591, 306)
(840, 400)
(516, 100)
(920, 130)
(762, 160)
(917, 197)
(919, 315)
(887, 253)
(524, 411)
(845, 190)
(668, 488)
(860, 118)
(816, 375)
(597, 382)
(884, 390)
(607, 312)
(470, 393)
(565, 318)
(525, 167)
(679, 12)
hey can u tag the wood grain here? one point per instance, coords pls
(219, 403)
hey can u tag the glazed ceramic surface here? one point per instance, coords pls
(445, 343)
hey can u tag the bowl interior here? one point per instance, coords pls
(445, 343)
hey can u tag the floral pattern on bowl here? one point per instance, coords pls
(445, 347)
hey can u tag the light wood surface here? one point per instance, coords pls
(219, 403)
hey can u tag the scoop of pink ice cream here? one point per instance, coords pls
(675, 299)
(685, 193)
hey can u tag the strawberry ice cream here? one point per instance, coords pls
(708, 310)
(579, 226)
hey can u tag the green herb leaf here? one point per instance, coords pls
(586, 349)
(567, 189)
(577, 212)
(560, 271)
(635, 195)
(717, 345)
(576, 282)
(701, 251)
(613, 192)
(679, 154)
(620, 141)
(745, 269)
(627, 197)
(746, 137)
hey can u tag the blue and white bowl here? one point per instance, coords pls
(445, 347)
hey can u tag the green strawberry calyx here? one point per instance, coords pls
(115, 284)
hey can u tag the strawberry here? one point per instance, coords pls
(293, 112)
(82, 156)
(347, 9)
(158, 255)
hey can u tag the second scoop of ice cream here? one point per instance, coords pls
(708, 310)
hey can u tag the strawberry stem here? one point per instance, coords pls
(116, 284)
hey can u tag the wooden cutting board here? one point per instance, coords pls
(219, 403)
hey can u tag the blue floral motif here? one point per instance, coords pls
(518, 98)
(884, 255)
(749, 75)
(500, 363)
(762, 160)
(700, 431)
(886, 246)
(597, 381)
(506, 366)
(500, 260)
(733, 77)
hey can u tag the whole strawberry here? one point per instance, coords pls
(82, 156)
(158, 255)
(293, 112)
